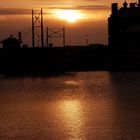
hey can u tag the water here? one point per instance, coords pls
(73, 106)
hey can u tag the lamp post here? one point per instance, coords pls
(87, 40)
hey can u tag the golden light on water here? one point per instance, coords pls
(70, 16)
(72, 116)
(73, 82)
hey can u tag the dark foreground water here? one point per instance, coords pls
(74, 106)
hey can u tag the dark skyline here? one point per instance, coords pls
(87, 17)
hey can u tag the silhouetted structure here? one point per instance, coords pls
(124, 25)
(10, 43)
(37, 22)
(55, 33)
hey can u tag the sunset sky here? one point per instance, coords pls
(80, 18)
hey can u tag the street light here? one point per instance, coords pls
(87, 40)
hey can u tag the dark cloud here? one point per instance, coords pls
(17, 11)
(81, 7)
(94, 7)
(13, 11)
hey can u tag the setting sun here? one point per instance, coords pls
(69, 15)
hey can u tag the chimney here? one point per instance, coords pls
(132, 5)
(114, 8)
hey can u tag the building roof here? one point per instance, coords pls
(133, 10)
(128, 12)
(9, 40)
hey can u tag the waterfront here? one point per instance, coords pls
(71, 106)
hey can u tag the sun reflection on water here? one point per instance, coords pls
(72, 116)
(73, 82)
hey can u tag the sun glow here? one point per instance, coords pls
(69, 15)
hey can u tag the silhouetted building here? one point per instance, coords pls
(124, 25)
(10, 43)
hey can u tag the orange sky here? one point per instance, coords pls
(15, 16)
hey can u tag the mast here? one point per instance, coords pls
(42, 34)
(33, 30)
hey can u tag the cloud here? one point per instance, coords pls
(23, 11)
(93, 7)
(14, 11)
(81, 7)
